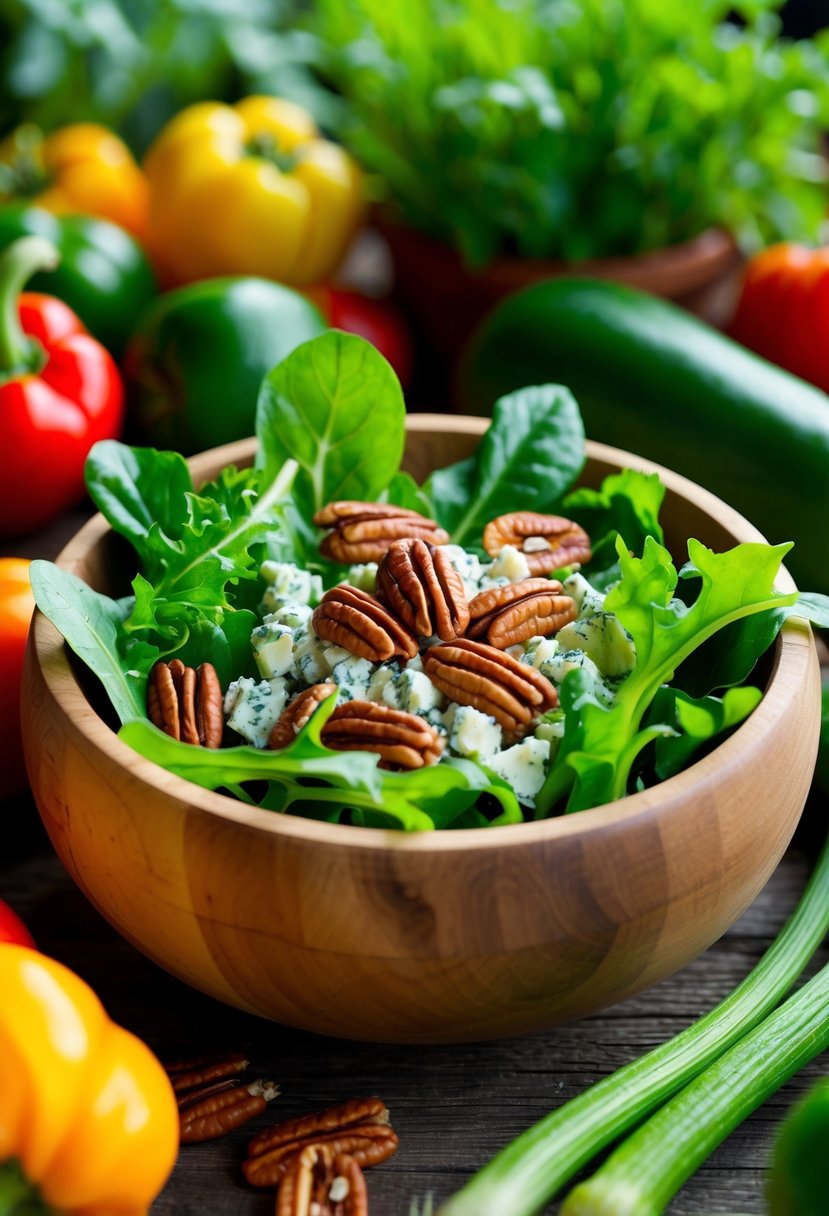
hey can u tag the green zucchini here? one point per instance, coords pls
(653, 379)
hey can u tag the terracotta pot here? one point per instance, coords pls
(447, 299)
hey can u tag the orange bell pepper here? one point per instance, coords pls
(250, 189)
(88, 1119)
(17, 603)
(81, 169)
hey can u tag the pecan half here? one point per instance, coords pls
(320, 1184)
(358, 1128)
(517, 611)
(206, 1114)
(363, 531)
(186, 702)
(200, 1071)
(422, 587)
(296, 715)
(548, 542)
(355, 620)
(403, 740)
(491, 681)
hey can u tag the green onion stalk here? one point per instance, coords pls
(526, 1174)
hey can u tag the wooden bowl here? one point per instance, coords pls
(431, 937)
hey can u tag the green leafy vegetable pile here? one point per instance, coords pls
(331, 426)
(581, 130)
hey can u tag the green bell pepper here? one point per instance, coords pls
(103, 274)
(197, 359)
(797, 1181)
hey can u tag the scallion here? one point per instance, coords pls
(530, 1171)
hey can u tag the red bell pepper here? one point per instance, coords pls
(12, 928)
(60, 392)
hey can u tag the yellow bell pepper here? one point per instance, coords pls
(81, 169)
(250, 189)
(88, 1120)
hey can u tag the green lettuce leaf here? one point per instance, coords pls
(697, 721)
(627, 503)
(600, 744)
(90, 623)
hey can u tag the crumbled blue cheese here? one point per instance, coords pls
(550, 726)
(472, 733)
(253, 707)
(510, 566)
(363, 576)
(416, 692)
(334, 655)
(523, 766)
(309, 665)
(383, 674)
(296, 616)
(588, 599)
(287, 584)
(603, 639)
(351, 675)
(467, 565)
(273, 649)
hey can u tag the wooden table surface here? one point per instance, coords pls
(452, 1106)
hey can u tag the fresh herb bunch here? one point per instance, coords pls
(563, 129)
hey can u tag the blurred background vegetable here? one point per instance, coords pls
(17, 603)
(797, 1178)
(60, 392)
(131, 64)
(550, 129)
(88, 1119)
(197, 359)
(103, 274)
(12, 928)
(251, 188)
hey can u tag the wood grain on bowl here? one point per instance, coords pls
(444, 936)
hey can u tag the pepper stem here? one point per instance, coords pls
(18, 1196)
(17, 265)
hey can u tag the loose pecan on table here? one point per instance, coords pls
(506, 615)
(357, 621)
(358, 1128)
(421, 586)
(321, 1184)
(296, 715)
(186, 702)
(363, 531)
(213, 1099)
(548, 542)
(491, 681)
(403, 740)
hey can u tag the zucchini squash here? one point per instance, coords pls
(657, 381)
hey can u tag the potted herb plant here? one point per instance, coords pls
(628, 139)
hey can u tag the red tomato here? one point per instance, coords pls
(378, 321)
(12, 928)
(783, 310)
(16, 607)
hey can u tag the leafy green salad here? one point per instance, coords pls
(330, 425)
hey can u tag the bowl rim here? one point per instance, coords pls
(793, 649)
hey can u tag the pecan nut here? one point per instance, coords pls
(504, 616)
(298, 714)
(421, 586)
(363, 531)
(401, 739)
(199, 1071)
(357, 621)
(186, 702)
(359, 1129)
(320, 1184)
(548, 542)
(491, 681)
(206, 1114)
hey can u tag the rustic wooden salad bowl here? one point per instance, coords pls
(433, 937)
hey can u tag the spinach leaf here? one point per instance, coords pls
(90, 624)
(601, 744)
(404, 491)
(696, 722)
(335, 406)
(526, 460)
(813, 607)
(728, 658)
(309, 779)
